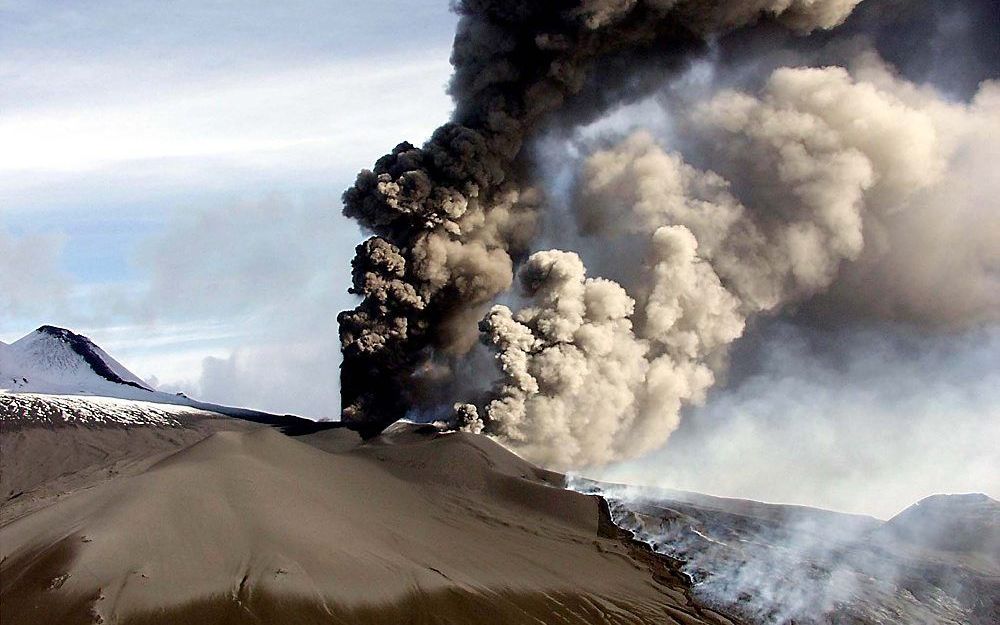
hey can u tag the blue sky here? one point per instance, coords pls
(171, 176)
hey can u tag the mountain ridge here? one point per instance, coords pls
(99, 495)
(99, 360)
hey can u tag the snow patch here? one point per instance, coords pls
(76, 409)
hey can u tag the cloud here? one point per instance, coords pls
(271, 129)
(190, 147)
(32, 282)
(176, 129)
(933, 257)
(857, 420)
(251, 258)
(298, 377)
(434, 209)
(815, 163)
(234, 303)
(803, 170)
(266, 278)
(234, 117)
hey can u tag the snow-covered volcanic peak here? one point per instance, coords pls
(56, 360)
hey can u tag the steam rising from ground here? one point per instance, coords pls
(755, 190)
(767, 564)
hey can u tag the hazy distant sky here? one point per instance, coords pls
(170, 176)
(171, 172)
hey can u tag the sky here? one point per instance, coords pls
(171, 177)
(170, 187)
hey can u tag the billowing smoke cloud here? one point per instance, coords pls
(932, 256)
(581, 384)
(818, 158)
(858, 419)
(452, 218)
(810, 177)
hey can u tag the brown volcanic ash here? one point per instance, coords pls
(450, 219)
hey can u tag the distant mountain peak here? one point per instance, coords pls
(56, 360)
(960, 499)
(963, 522)
(100, 362)
(56, 331)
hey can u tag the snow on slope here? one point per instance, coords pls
(31, 408)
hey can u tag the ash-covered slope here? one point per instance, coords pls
(53, 444)
(935, 563)
(253, 526)
(956, 524)
(70, 415)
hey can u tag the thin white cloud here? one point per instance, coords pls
(250, 258)
(298, 376)
(170, 355)
(339, 109)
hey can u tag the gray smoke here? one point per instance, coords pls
(777, 165)
(450, 219)
(823, 158)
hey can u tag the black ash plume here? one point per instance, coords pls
(452, 218)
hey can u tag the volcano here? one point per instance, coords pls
(139, 512)
(217, 520)
(56, 373)
(123, 504)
